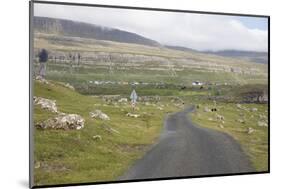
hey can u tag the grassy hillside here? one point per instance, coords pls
(236, 123)
(74, 156)
(86, 30)
(152, 67)
(139, 55)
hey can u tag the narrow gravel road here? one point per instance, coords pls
(185, 149)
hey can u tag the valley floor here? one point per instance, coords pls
(95, 153)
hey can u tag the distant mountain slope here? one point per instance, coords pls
(180, 48)
(85, 30)
(253, 56)
(258, 57)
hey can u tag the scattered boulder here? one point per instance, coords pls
(66, 122)
(239, 106)
(37, 165)
(159, 108)
(53, 167)
(177, 100)
(97, 137)
(262, 124)
(123, 100)
(152, 99)
(132, 115)
(46, 103)
(40, 79)
(254, 109)
(179, 105)
(61, 113)
(111, 98)
(206, 109)
(250, 130)
(147, 104)
(261, 116)
(68, 86)
(215, 102)
(98, 114)
(210, 119)
(241, 121)
(110, 129)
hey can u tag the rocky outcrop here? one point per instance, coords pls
(63, 121)
(254, 109)
(255, 96)
(250, 130)
(241, 121)
(123, 100)
(110, 129)
(46, 104)
(97, 138)
(40, 79)
(151, 99)
(133, 115)
(67, 85)
(262, 124)
(98, 114)
(206, 109)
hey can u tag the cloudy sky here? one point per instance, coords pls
(197, 31)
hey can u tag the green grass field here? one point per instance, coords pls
(255, 145)
(74, 156)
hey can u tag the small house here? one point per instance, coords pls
(197, 83)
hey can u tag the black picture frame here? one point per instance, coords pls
(31, 126)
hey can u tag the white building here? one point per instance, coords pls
(197, 83)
